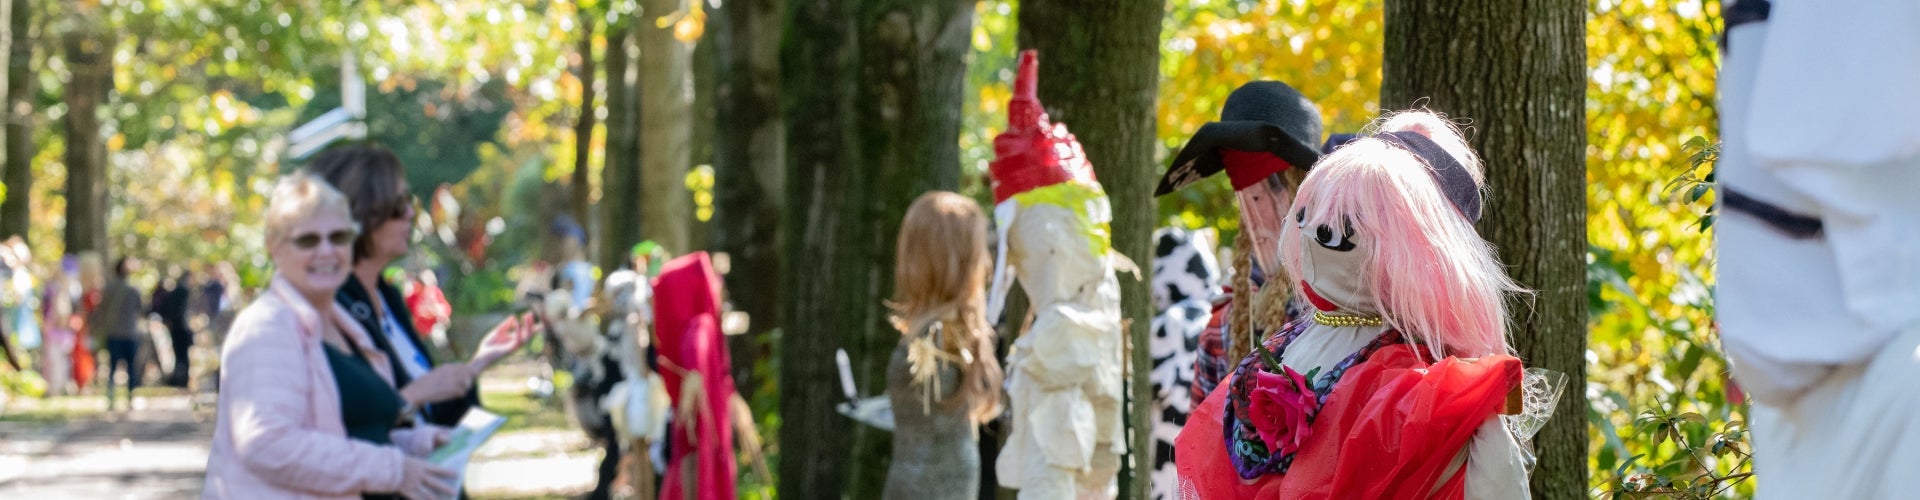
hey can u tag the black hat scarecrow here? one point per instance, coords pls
(1265, 128)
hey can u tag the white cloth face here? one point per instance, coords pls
(1791, 309)
(1333, 268)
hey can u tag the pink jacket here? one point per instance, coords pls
(279, 432)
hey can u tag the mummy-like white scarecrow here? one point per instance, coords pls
(1064, 374)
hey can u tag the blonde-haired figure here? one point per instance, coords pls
(943, 380)
(1395, 385)
(307, 404)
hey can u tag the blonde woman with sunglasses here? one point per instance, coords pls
(308, 407)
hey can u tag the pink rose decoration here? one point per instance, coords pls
(1281, 405)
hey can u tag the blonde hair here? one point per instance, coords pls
(91, 271)
(298, 196)
(1432, 275)
(940, 280)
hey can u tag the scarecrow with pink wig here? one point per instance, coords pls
(1400, 383)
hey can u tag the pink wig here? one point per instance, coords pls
(1431, 275)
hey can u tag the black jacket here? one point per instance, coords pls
(353, 297)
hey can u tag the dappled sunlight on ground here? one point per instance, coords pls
(72, 447)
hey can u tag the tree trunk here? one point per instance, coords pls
(17, 175)
(1519, 74)
(89, 57)
(619, 169)
(749, 169)
(1099, 71)
(872, 101)
(700, 118)
(582, 178)
(666, 94)
(16, 212)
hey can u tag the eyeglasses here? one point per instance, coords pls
(401, 207)
(340, 238)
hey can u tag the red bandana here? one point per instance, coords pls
(1247, 168)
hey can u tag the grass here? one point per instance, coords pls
(524, 411)
(507, 395)
(53, 410)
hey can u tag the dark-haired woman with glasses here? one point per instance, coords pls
(375, 185)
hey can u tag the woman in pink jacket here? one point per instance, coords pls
(307, 404)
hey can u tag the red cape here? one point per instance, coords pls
(1389, 430)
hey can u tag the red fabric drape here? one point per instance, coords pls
(1388, 431)
(687, 323)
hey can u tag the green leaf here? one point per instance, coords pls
(1622, 470)
(1706, 222)
(1691, 360)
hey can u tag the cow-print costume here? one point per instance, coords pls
(1186, 283)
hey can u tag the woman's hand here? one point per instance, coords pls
(422, 480)
(445, 382)
(505, 338)
(421, 440)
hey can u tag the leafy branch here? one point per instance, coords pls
(1693, 474)
(1695, 180)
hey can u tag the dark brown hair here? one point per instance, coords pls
(369, 176)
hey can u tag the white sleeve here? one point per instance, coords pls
(1496, 464)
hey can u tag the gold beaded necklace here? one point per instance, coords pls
(1346, 320)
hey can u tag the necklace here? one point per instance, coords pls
(1346, 320)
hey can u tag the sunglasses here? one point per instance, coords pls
(340, 238)
(401, 208)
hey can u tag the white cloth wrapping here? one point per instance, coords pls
(1817, 110)
(1854, 434)
(1064, 376)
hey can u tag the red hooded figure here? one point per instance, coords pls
(696, 369)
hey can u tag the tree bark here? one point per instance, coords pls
(15, 212)
(872, 99)
(666, 93)
(619, 170)
(1518, 72)
(89, 57)
(700, 116)
(582, 178)
(18, 174)
(1099, 71)
(749, 163)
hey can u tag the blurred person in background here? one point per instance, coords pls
(16, 338)
(221, 293)
(430, 308)
(576, 275)
(92, 283)
(117, 320)
(57, 326)
(172, 299)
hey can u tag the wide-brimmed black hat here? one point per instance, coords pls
(1260, 116)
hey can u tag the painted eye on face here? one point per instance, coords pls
(1300, 218)
(1338, 241)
